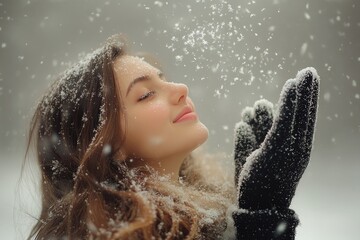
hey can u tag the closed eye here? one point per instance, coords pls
(148, 94)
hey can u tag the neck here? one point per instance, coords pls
(168, 166)
(164, 166)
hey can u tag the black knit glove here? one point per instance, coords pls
(270, 157)
(269, 176)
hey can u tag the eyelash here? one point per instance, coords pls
(143, 97)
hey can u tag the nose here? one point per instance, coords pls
(178, 92)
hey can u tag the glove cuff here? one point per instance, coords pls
(267, 224)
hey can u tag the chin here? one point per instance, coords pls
(201, 134)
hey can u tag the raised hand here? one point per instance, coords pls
(270, 174)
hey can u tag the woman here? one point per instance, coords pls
(114, 142)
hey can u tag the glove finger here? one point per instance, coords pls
(244, 144)
(247, 115)
(308, 139)
(280, 133)
(312, 115)
(263, 119)
(304, 94)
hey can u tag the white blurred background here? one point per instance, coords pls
(230, 53)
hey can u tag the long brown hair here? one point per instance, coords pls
(86, 192)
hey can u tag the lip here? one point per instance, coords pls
(187, 111)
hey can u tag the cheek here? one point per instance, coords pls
(146, 121)
(153, 116)
(157, 114)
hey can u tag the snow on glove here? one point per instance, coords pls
(270, 175)
(250, 131)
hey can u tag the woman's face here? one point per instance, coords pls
(152, 104)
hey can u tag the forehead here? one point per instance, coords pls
(127, 68)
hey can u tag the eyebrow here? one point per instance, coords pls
(141, 79)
